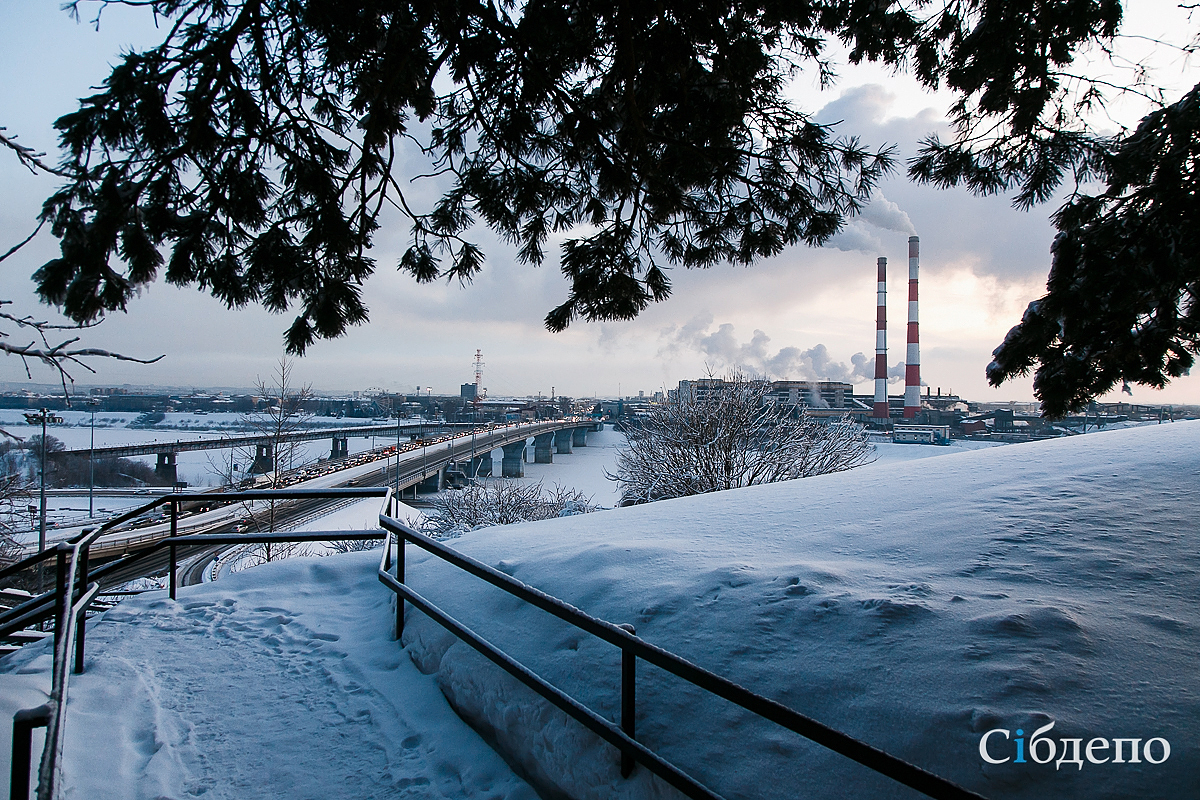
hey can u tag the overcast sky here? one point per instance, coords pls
(807, 314)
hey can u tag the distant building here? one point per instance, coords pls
(804, 394)
(467, 391)
(811, 394)
(921, 434)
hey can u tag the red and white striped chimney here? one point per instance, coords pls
(880, 411)
(912, 360)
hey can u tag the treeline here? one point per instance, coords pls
(63, 471)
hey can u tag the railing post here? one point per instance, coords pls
(81, 623)
(174, 530)
(24, 722)
(628, 699)
(399, 579)
(62, 597)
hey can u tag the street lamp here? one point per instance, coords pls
(92, 462)
(42, 416)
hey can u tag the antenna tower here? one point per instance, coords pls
(478, 378)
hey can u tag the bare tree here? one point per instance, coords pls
(729, 436)
(14, 495)
(281, 414)
(501, 503)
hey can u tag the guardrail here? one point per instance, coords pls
(632, 648)
(76, 587)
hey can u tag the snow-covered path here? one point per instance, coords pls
(252, 689)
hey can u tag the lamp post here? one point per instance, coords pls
(42, 416)
(92, 462)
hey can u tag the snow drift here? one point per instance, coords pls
(915, 606)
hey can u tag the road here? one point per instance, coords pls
(417, 462)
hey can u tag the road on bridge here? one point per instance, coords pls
(418, 461)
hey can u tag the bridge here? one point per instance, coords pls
(264, 444)
(421, 466)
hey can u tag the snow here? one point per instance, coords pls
(888, 451)
(915, 604)
(279, 682)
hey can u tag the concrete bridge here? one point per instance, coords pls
(421, 468)
(464, 459)
(264, 445)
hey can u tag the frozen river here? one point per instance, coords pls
(196, 467)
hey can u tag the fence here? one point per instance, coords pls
(76, 587)
(632, 648)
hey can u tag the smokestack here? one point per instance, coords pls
(912, 360)
(881, 402)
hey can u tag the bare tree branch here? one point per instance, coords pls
(60, 356)
(31, 158)
(24, 241)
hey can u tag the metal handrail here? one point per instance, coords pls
(634, 647)
(73, 593)
(37, 608)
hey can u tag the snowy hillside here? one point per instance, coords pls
(916, 605)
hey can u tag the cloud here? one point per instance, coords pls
(722, 350)
(855, 237)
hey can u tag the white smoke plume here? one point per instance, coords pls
(880, 213)
(722, 351)
(883, 213)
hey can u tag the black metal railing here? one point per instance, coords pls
(76, 588)
(632, 648)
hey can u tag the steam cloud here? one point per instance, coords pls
(722, 350)
(880, 214)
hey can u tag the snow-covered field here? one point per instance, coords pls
(916, 605)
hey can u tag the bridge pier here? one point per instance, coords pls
(513, 465)
(431, 484)
(543, 448)
(341, 447)
(264, 459)
(481, 466)
(579, 437)
(165, 469)
(562, 442)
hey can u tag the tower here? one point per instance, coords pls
(478, 377)
(912, 359)
(880, 410)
